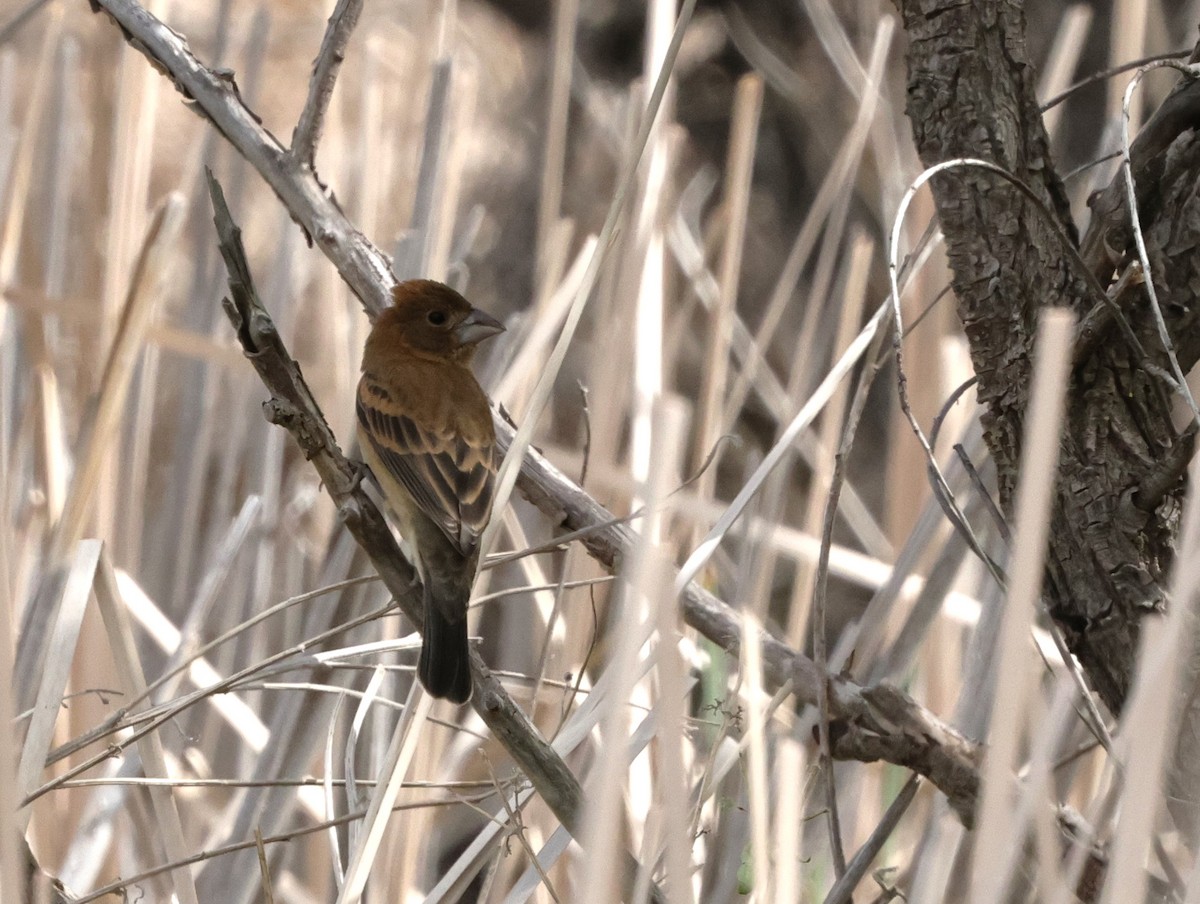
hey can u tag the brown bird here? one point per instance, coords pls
(426, 433)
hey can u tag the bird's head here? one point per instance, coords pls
(432, 319)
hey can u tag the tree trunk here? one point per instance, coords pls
(971, 94)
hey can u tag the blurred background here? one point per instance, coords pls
(481, 143)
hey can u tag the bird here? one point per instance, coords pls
(425, 432)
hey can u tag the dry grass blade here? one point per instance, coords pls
(9, 794)
(353, 801)
(805, 416)
(145, 289)
(1013, 686)
(129, 667)
(507, 477)
(55, 667)
(395, 765)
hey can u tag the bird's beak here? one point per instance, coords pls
(477, 327)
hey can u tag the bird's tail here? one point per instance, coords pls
(445, 663)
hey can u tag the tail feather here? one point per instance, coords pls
(445, 663)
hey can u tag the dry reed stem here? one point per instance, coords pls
(1127, 40)
(1039, 468)
(1069, 42)
(671, 786)
(19, 181)
(562, 55)
(395, 765)
(739, 169)
(123, 648)
(756, 765)
(858, 267)
(643, 580)
(144, 291)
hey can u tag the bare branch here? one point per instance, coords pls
(320, 87)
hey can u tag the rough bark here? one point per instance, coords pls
(971, 94)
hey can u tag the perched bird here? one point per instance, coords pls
(426, 433)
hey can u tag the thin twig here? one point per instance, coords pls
(843, 889)
(821, 656)
(1139, 238)
(1109, 73)
(988, 502)
(233, 848)
(820, 640)
(320, 87)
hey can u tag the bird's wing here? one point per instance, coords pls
(449, 476)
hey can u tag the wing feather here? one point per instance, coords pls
(448, 477)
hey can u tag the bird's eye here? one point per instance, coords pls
(437, 318)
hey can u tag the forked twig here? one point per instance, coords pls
(320, 88)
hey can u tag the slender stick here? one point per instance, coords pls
(129, 666)
(320, 87)
(743, 139)
(1039, 470)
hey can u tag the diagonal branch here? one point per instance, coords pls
(320, 87)
(870, 723)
